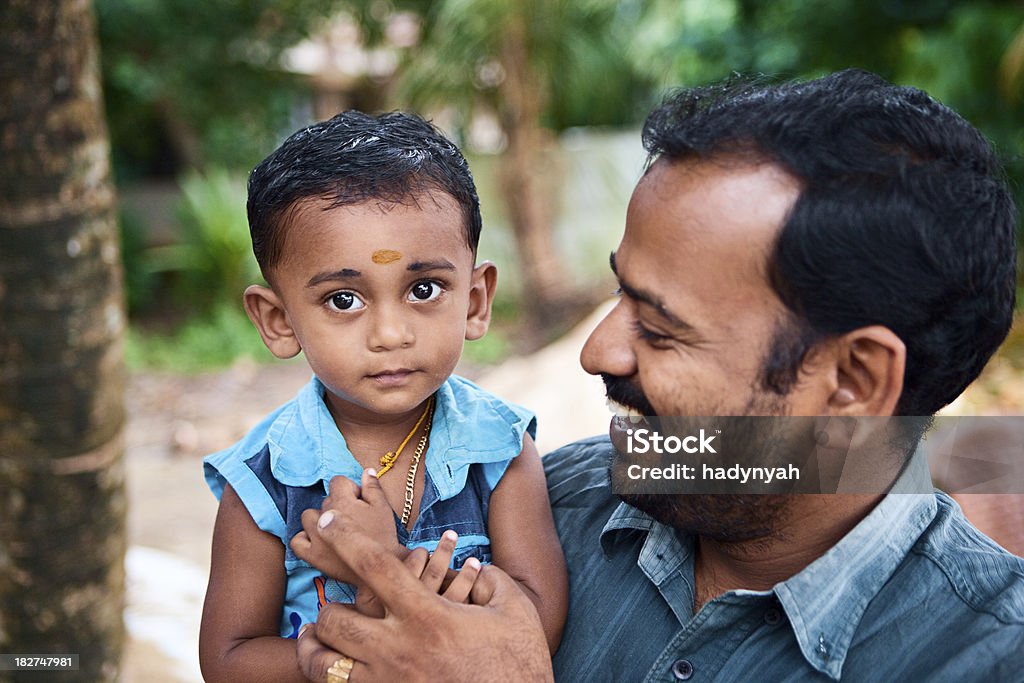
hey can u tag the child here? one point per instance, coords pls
(365, 229)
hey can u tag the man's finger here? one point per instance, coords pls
(458, 590)
(314, 657)
(375, 566)
(340, 488)
(372, 492)
(342, 628)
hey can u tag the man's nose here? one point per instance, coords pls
(609, 350)
(390, 329)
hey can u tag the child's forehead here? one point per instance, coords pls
(379, 231)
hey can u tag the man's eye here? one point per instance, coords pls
(346, 301)
(646, 334)
(425, 291)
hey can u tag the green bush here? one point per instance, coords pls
(212, 261)
(206, 342)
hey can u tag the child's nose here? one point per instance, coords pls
(390, 330)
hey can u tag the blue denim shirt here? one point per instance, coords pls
(912, 593)
(283, 466)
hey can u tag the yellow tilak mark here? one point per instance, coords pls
(383, 256)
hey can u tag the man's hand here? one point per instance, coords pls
(424, 636)
(366, 507)
(432, 570)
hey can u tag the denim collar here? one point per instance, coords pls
(470, 426)
(827, 599)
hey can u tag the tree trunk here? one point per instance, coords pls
(527, 181)
(62, 499)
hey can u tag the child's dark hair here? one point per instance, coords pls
(352, 158)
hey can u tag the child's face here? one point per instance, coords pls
(379, 297)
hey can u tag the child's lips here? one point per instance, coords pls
(392, 378)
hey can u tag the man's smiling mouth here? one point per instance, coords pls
(623, 411)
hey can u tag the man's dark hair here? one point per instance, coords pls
(904, 219)
(352, 158)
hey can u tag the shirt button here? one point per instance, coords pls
(772, 616)
(682, 669)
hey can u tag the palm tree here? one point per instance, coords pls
(62, 500)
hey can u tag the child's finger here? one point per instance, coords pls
(302, 546)
(372, 492)
(309, 519)
(458, 590)
(375, 565)
(416, 561)
(437, 568)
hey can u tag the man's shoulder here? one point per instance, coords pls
(579, 469)
(985, 577)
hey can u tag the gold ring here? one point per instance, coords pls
(340, 670)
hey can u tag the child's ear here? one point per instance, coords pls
(481, 295)
(267, 313)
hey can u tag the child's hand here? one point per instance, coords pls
(432, 570)
(365, 506)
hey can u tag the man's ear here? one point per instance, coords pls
(482, 286)
(870, 362)
(267, 313)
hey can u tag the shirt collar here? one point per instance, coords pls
(825, 601)
(469, 426)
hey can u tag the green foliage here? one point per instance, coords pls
(577, 49)
(488, 350)
(212, 262)
(188, 82)
(205, 342)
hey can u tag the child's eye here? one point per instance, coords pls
(345, 301)
(425, 291)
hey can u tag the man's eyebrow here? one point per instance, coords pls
(440, 264)
(328, 276)
(648, 298)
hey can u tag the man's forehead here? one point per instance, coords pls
(712, 201)
(711, 224)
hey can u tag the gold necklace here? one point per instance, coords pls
(388, 459)
(410, 480)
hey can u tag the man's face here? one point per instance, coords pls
(696, 316)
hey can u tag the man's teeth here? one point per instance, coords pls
(625, 411)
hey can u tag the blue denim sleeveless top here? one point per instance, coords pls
(282, 467)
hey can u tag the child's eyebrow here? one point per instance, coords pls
(343, 274)
(440, 264)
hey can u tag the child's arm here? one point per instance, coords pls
(239, 638)
(524, 542)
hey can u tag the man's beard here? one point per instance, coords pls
(723, 517)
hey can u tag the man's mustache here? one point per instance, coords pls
(627, 393)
